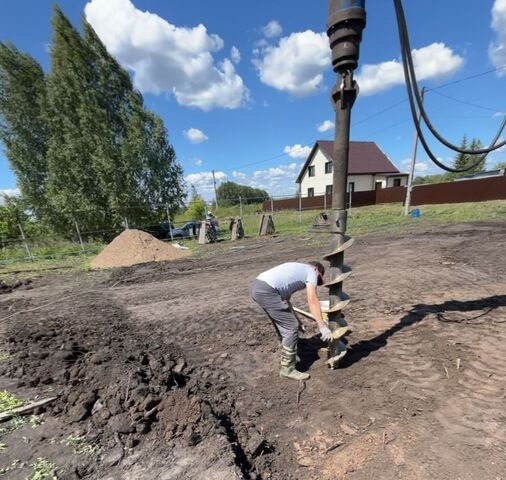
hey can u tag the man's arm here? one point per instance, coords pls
(314, 305)
(316, 311)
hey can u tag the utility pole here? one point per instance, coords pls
(346, 20)
(215, 191)
(409, 186)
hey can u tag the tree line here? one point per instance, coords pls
(79, 139)
(460, 161)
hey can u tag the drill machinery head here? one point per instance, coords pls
(346, 21)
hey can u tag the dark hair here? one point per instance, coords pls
(321, 270)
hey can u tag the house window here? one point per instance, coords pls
(328, 167)
(351, 187)
(310, 191)
(397, 182)
(378, 185)
(311, 171)
(328, 190)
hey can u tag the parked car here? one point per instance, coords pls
(160, 231)
(188, 230)
(191, 229)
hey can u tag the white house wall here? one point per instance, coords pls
(320, 180)
(362, 182)
(404, 181)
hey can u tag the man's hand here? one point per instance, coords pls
(326, 333)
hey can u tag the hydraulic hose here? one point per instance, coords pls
(411, 86)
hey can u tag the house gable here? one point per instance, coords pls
(364, 158)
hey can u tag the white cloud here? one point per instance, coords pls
(204, 178)
(419, 166)
(272, 29)
(278, 180)
(239, 175)
(435, 61)
(198, 161)
(9, 192)
(325, 126)
(296, 64)
(297, 151)
(203, 182)
(194, 135)
(498, 114)
(166, 58)
(497, 49)
(235, 54)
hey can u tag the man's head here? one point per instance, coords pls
(320, 270)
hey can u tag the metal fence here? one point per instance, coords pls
(78, 241)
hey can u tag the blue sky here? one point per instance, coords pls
(243, 87)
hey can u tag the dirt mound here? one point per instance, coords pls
(135, 246)
(121, 386)
(105, 374)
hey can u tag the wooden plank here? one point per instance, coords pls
(26, 409)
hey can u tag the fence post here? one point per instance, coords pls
(272, 205)
(240, 205)
(170, 223)
(126, 222)
(25, 242)
(325, 201)
(350, 194)
(79, 236)
(300, 207)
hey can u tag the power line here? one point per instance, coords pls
(380, 112)
(464, 102)
(470, 77)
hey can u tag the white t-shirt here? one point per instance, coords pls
(289, 278)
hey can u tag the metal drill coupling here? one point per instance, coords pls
(346, 20)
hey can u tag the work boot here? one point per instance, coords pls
(288, 365)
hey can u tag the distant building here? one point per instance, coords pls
(368, 169)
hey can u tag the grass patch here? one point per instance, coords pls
(13, 424)
(43, 469)
(8, 402)
(80, 447)
(50, 250)
(386, 218)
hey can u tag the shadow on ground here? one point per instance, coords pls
(309, 347)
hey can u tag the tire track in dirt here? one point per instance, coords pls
(477, 412)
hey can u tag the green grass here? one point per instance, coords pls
(50, 250)
(374, 218)
(12, 425)
(8, 402)
(80, 447)
(43, 469)
(386, 218)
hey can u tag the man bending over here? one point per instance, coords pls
(273, 289)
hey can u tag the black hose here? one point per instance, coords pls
(411, 86)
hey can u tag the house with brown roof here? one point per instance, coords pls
(368, 169)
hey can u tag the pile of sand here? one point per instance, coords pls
(135, 246)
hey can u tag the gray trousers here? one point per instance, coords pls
(278, 311)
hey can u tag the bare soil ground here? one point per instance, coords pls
(167, 370)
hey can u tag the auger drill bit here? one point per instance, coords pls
(346, 20)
